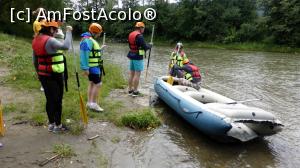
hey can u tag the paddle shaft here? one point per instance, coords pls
(148, 61)
(82, 107)
(75, 62)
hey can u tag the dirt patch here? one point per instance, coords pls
(3, 71)
(128, 101)
(27, 146)
(9, 95)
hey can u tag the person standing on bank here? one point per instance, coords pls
(136, 54)
(50, 70)
(92, 64)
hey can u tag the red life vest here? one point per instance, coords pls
(132, 43)
(194, 74)
(44, 59)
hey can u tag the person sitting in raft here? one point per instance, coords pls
(189, 74)
(177, 58)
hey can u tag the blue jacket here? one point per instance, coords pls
(86, 46)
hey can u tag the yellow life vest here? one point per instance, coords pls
(95, 54)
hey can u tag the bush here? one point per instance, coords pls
(143, 119)
(247, 32)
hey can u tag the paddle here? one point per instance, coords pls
(2, 129)
(83, 112)
(101, 64)
(148, 62)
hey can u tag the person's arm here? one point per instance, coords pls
(141, 43)
(53, 44)
(85, 49)
(186, 69)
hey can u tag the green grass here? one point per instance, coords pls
(140, 119)
(63, 150)
(38, 119)
(9, 108)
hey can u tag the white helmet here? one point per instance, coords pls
(179, 45)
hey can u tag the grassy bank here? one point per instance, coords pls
(16, 55)
(246, 46)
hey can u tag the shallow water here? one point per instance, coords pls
(273, 77)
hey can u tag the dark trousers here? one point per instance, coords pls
(54, 90)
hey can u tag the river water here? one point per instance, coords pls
(273, 77)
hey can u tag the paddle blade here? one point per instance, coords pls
(83, 112)
(170, 80)
(2, 129)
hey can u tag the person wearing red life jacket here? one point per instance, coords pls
(189, 74)
(50, 70)
(136, 54)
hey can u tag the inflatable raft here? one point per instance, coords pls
(217, 115)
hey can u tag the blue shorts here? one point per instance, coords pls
(136, 65)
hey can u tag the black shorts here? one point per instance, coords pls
(95, 78)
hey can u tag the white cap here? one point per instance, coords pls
(59, 34)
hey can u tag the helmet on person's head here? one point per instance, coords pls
(95, 28)
(179, 45)
(139, 25)
(49, 23)
(186, 61)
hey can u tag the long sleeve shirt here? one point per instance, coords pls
(86, 45)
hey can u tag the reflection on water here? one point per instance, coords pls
(274, 77)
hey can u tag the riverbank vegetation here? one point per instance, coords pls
(16, 57)
(140, 119)
(267, 25)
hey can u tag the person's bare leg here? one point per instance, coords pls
(136, 80)
(95, 92)
(130, 80)
(90, 92)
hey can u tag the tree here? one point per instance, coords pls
(284, 21)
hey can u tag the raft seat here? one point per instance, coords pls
(201, 97)
(184, 88)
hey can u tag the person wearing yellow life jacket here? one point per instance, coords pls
(189, 75)
(136, 54)
(177, 58)
(92, 64)
(50, 70)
